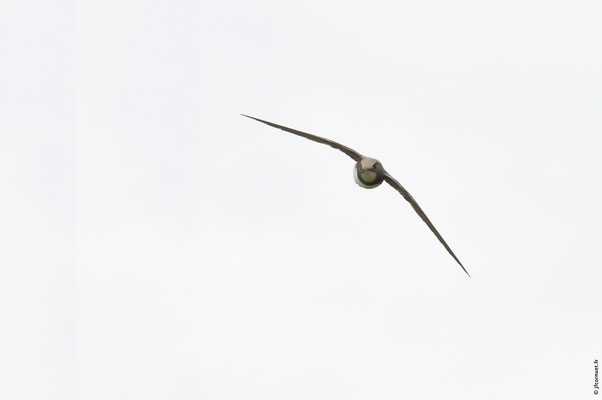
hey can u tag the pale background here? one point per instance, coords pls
(156, 245)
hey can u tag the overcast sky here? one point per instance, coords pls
(155, 244)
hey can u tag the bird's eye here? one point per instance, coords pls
(375, 165)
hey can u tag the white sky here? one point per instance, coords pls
(154, 244)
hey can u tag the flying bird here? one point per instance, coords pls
(369, 173)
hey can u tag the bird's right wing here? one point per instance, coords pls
(349, 151)
(406, 195)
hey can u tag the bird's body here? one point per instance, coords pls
(369, 173)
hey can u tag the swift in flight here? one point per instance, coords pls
(369, 173)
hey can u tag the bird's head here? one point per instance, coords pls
(369, 172)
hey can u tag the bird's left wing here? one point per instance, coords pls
(347, 150)
(406, 195)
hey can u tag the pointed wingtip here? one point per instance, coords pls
(258, 120)
(460, 264)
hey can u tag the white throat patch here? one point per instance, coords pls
(367, 176)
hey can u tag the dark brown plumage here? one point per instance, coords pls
(369, 173)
